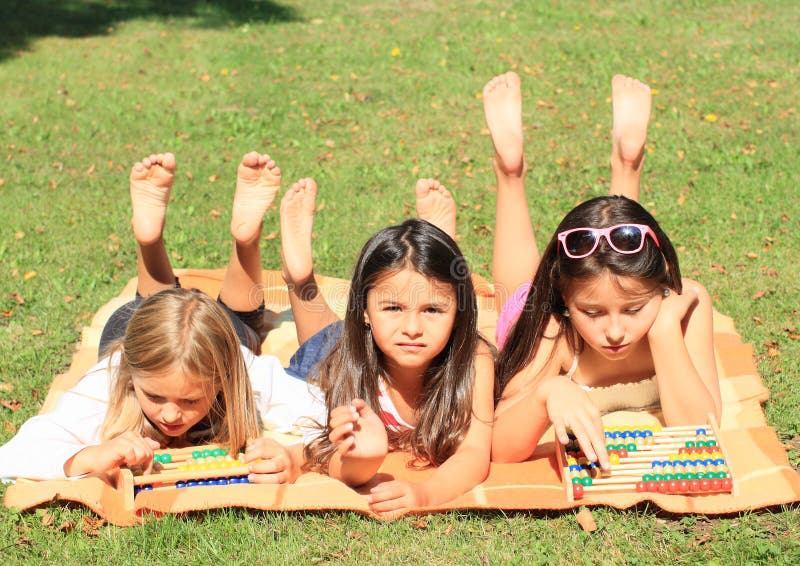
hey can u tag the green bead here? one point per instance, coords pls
(690, 444)
(679, 476)
(631, 447)
(586, 481)
(701, 444)
(658, 477)
(669, 477)
(576, 480)
(206, 453)
(711, 443)
(691, 476)
(196, 454)
(647, 477)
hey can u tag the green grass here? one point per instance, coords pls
(366, 97)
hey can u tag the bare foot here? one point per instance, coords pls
(436, 205)
(502, 106)
(631, 102)
(297, 220)
(151, 183)
(257, 182)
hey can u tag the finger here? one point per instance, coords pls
(271, 466)
(346, 445)
(276, 478)
(387, 505)
(560, 431)
(338, 434)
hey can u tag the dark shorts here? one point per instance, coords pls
(248, 326)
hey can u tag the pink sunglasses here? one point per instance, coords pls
(623, 238)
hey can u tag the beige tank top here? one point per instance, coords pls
(634, 396)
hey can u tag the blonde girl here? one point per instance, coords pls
(175, 366)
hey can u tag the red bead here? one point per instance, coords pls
(727, 484)
(683, 486)
(716, 484)
(641, 486)
(694, 485)
(652, 486)
(672, 486)
(663, 487)
(623, 453)
(577, 491)
(705, 485)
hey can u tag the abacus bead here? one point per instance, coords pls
(166, 458)
(244, 479)
(652, 486)
(705, 485)
(690, 444)
(694, 485)
(631, 447)
(683, 486)
(180, 484)
(716, 484)
(623, 453)
(641, 486)
(147, 488)
(577, 491)
(586, 481)
(206, 453)
(663, 487)
(218, 452)
(191, 483)
(700, 431)
(196, 454)
(614, 459)
(574, 480)
(727, 484)
(647, 477)
(672, 486)
(574, 468)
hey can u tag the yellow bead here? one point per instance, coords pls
(614, 458)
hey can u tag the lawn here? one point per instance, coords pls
(366, 97)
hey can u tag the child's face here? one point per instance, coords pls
(613, 314)
(411, 317)
(172, 401)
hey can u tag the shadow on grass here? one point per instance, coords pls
(23, 21)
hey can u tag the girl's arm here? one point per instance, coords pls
(127, 449)
(362, 443)
(46, 442)
(529, 406)
(272, 462)
(465, 469)
(682, 345)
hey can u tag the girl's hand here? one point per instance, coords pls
(570, 408)
(672, 311)
(277, 463)
(128, 449)
(390, 499)
(358, 431)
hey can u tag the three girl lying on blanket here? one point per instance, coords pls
(602, 322)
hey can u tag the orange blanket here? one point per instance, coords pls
(758, 461)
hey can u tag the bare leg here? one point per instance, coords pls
(515, 255)
(436, 205)
(310, 309)
(631, 100)
(151, 183)
(258, 179)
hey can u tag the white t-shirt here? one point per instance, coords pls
(45, 442)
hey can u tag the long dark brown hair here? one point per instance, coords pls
(658, 266)
(355, 365)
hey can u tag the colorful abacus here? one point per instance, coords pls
(675, 460)
(191, 467)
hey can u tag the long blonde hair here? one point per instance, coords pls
(185, 332)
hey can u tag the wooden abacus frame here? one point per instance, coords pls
(625, 481)
(167, 475)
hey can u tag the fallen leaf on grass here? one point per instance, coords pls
(751, 255)
(6, 386)
(23, 541)
(91, 525)
(67, 526)
(700, 541)
(48, 518)
(7, 313)
(11, 404)
(37, 332)
(758, 294)
(271, 236)
(419, 524)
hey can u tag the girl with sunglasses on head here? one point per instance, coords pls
(607, 322)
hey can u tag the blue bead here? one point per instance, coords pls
(638, 434)
(191, 483)
(244, 479)
(223, 481)
(180, 484)
(574, 468)
(700, 431)
(648, 433)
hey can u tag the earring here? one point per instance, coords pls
(565, 314)
(666, 291)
